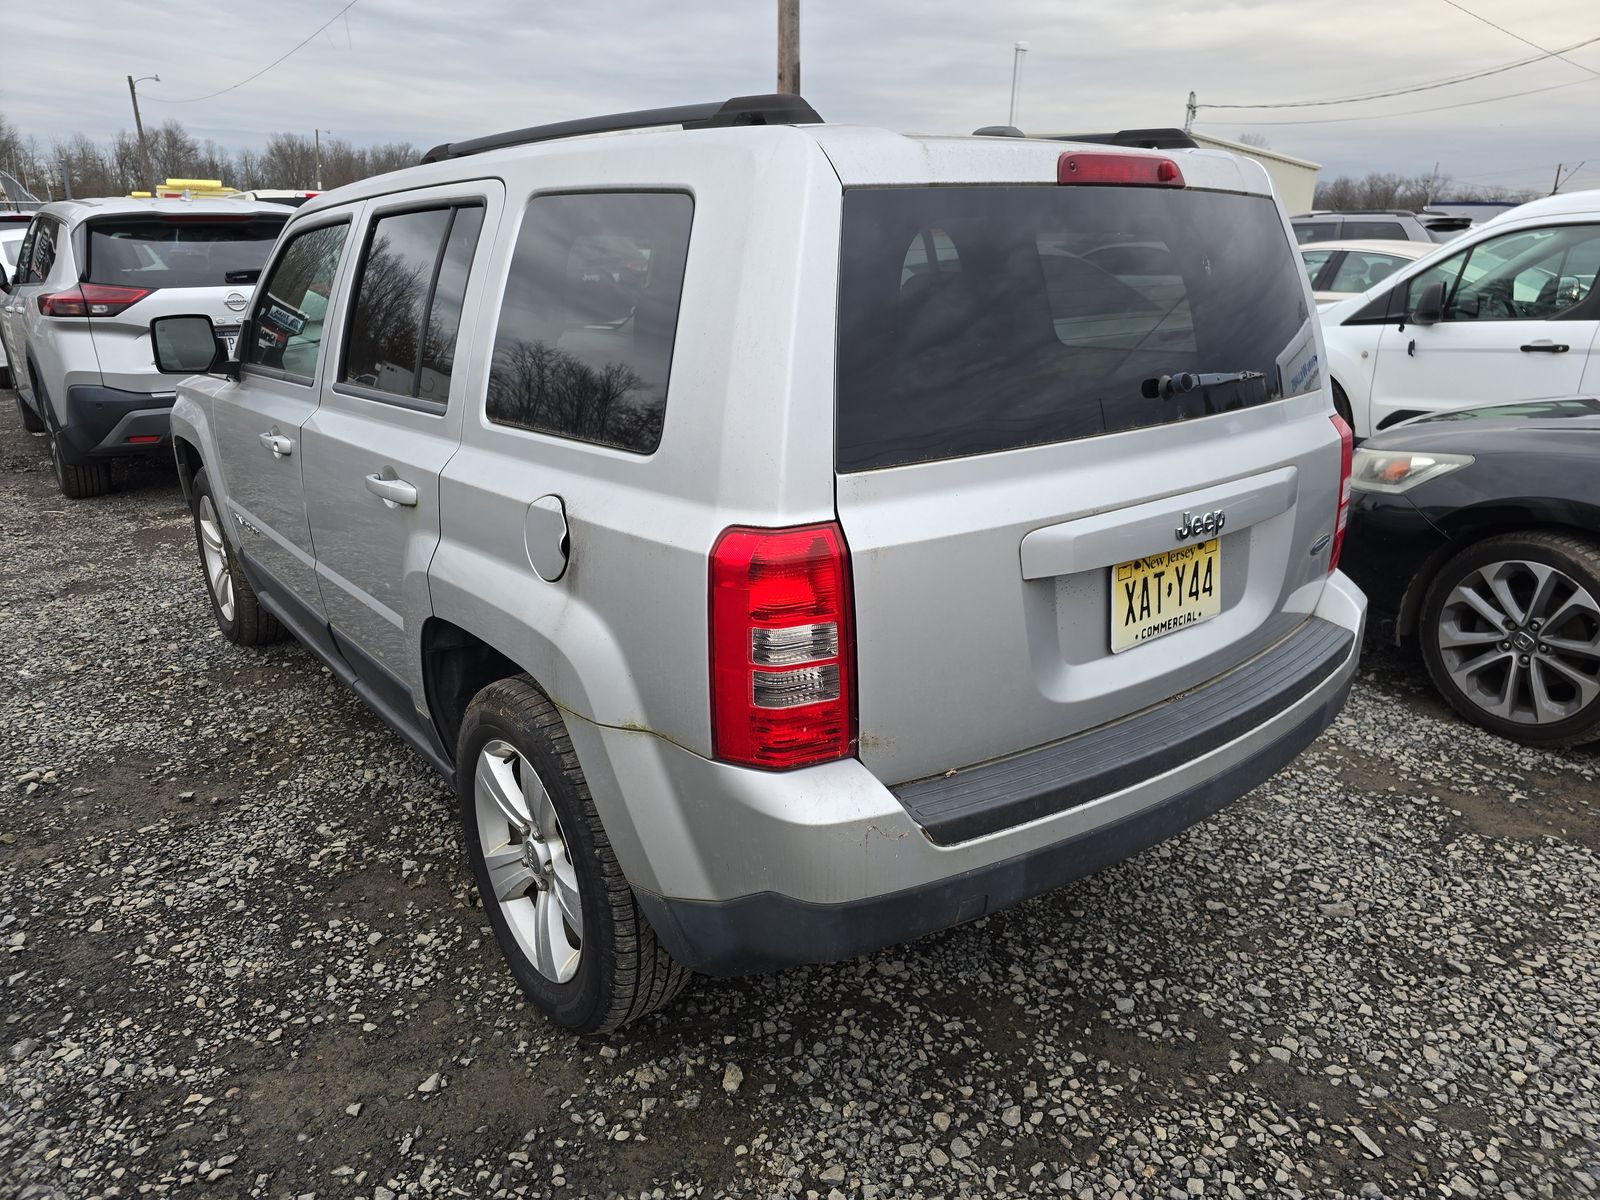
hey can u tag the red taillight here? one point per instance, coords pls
(1341, 518)
(1126, 170)
(782, 693)
(91, 300)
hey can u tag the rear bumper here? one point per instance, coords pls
(743, 870)
(101, 420)
(768, 931)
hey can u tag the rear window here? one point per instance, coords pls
(183, 252)
(980, 319)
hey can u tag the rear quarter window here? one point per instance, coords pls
(583, 346)
(1056, 313)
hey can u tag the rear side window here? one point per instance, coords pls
(1316, 231)
(408, 299)
(46, 233)
(584, 343)
(167, 252)
(292, 302)
(1356, 231)
(1072, 312)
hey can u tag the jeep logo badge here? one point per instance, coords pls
(1200, 524)
(235, 301)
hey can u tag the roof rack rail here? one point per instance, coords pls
(998, 131)
(775, 109)
(1145, 139)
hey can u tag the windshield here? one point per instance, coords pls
(979, 319)
(165, 252)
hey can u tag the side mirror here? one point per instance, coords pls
(1468, 304)
(1430, 305)
(5, 281)
(185, 345)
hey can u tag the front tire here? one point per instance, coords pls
(1510, 633)
(234, 604)
(563, 913)
(30, 419)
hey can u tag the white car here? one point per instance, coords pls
(1339, 270)
(11, 235)
(75, 316)
(1506, 312)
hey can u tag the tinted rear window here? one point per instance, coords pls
(979, 319)
(179, 253)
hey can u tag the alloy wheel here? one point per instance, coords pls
(1521, 640)
(215, 558)
(528, 861)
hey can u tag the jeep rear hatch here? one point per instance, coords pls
(1084, 460)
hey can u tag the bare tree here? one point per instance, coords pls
(1258, 140)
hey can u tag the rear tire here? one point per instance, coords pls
(78, 481)
(1533, 673)
(30, 419)
(514, 763)
(234, 604)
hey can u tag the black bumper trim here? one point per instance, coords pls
(101, 419)
(1063, 775)
(767, 931)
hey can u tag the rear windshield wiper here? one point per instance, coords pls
(242, 276)
(1168, 386)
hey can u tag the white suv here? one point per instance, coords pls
(75, 317)
(785, 536)
(1506, 312)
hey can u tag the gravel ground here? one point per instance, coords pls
(244, 956)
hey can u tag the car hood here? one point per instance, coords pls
(1488, 426)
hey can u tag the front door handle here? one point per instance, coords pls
(392, 491)
(280, 446)
(1544, 348)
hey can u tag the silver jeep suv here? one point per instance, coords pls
(785, 537)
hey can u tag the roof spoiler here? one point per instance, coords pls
(773, 109)
(1144, 139)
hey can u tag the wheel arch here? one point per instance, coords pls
(456, 665)
(189, 461)
(1468, 526)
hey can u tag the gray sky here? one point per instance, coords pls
(435, 70)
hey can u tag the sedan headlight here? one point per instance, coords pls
(1396, 471)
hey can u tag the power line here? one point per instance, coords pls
(269, 66)
(1523, 40)
(1417, 112)
(1420, 87)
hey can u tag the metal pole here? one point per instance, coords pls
(317, 136)
(1188, 114)
(789, 47)
(1017, 51)
(1556, 186)
(144, 147)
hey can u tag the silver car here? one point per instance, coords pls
(75, 316)
(785, 537)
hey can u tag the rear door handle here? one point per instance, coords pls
(1544, 348)
(392, 491)
(280, 446)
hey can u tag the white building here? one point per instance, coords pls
(1294, 179)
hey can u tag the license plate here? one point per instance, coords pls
(230, 339)
(1152, 597)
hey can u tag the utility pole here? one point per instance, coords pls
(1188, 114)
(317, 137)
(144, 147)
(789, 47)
(1556, 186)
(1017, 52)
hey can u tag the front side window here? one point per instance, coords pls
(1530, 275)
(407, 302)
(1071, 312)
(584, 344)
(292, 303)
(177, 252)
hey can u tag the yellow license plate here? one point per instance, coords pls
(1161, 594)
